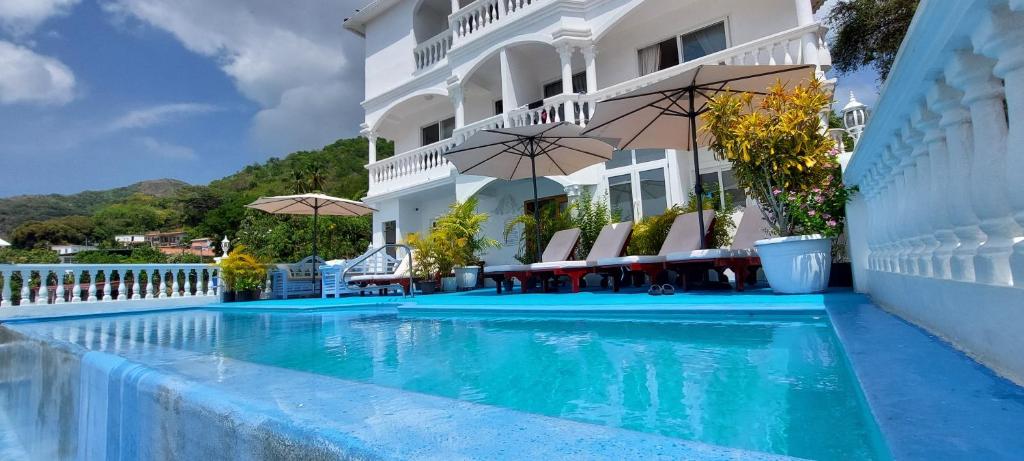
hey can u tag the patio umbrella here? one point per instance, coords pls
(653, 117)
(553, 149)
(311, 204)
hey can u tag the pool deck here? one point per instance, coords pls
(930, 400)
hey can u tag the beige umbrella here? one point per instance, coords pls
(311, 204)
(553, 149)
(656, 116)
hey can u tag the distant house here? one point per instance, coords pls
(130, 240)
(175, 238)
(199, 247)
(67, 252)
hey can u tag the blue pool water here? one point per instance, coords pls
(775, 384)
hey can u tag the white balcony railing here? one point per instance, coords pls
(471, 20)
(427, 163)
(433, 50)
(75, 283)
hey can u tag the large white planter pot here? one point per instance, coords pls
(467, 276)
(799, 264)
(449, 284)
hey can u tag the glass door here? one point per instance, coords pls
(637, 183)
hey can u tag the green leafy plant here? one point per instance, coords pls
(724, 226)
(650, 232)
(590, 216)
(586, 213)
(242, 271)
(822, 209)
(459, 233)
(775, 144)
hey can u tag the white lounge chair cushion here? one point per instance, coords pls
(610, 241)
(549, 266)
(627, 260)
(560, 245)
(712, 253)
(503, 268)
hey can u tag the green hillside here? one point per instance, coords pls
(212, 210)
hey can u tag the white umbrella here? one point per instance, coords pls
(553, 149)
(311, 204)
(653, 116)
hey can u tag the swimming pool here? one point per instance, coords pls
(777, 384)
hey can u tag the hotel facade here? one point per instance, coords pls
(438, 71)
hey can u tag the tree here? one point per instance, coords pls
(57, 231)
(869, 33)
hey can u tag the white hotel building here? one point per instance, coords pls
(439, 70)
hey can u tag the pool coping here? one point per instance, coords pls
(930, 401)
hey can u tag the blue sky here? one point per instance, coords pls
(103, 93)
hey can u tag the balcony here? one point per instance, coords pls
(472, 20)
(427, 164)
(433, 50)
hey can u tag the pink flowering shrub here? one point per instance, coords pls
(820, 209)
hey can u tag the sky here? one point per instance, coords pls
(97, 94)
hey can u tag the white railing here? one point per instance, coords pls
(471, 20)
(423, 164)
(75, 283)
(937, 227)
(433, 50)
(558, 108)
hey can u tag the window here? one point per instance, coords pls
(499, 107)
(561, 201)
(658, 56)
(437, 131)
(686, 47)
(637, 183)
(579, 85)
(703, 42)
(727, 185)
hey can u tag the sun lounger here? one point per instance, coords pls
(741, 257)
(559, 248)
(611, 242)
(381, 274)
(682, 236)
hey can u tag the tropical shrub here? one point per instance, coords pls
(242, 271)
(586, 213)
(459, 233)
(724, 226)
(776, 146)
(427, 263)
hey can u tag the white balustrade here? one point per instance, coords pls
(471, 20)
(53, 290)
(433, 50)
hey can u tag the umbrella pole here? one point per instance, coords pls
(536, 201)
(698, 187)
(316, 212)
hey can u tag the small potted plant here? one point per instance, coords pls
(457, 234)
(243, 275)
(783, 158)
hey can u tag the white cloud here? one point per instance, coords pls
(293, 59)
(22, 17)
(165, 149)
(28, 77)
(150, 116)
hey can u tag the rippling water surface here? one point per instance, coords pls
(779, 385)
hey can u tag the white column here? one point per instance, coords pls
(163, 284)
(135, 284)
(43, 296)
(6, 293)
(917, 226)
(1001, 37)
(122, 284)
(939, 198)
(455, 92)
(175, 287)
(92, 285)
(983, 95)
(956, 125)
(889, 247)
(455, 5)
(565, 56)
(76, 286)
(188, 282)
(149, 284)
(590, 60)
(809, 42)
(26, 291)
(59, 299)
(108, 284)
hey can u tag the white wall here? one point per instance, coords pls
(389, 45)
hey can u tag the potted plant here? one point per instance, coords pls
(784, 160)
(457, 234)
(425, 267)
(243, 275)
